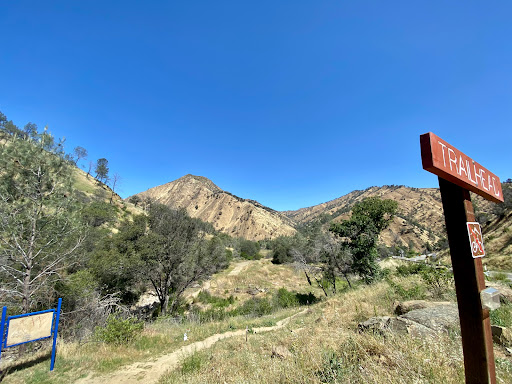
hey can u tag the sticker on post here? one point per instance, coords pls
(476, 240)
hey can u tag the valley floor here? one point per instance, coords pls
(319, 343)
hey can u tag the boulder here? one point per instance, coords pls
(404, 307)
(378, 324)
(440, 318)
(501, 335)
(399, 325)
(403, 325)
(252, 291)
(280, 352)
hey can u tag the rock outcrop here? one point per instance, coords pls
(430, 320)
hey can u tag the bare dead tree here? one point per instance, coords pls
(91, 165)
(306, 256)
(114, 183)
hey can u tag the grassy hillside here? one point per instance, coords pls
(498, 243)
(321, 344)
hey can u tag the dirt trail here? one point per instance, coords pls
(206, 285)
(239, 268)
(148, 372)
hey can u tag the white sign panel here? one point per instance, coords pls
(23, 329)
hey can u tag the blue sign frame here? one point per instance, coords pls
(4, 329)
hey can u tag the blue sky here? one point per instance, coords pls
(291, 103)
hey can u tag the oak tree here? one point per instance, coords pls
(360, 233)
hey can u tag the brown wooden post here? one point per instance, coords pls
(459, 174)
(468, 273)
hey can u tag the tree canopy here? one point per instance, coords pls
(360, 233)
(102, 169)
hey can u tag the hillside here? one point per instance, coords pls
(419, 218)
(313, 342)
(228, 213)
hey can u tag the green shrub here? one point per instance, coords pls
(499, 276)
(247, 256)
(249, 250)
(212, 314)
(191, 364)
(255, 307)
(119, 331)
(307, 298)
(385, 272)
(410, 269)
(502, 316)
(285, 299)
(215, 301)
(414, 293)
(332, 370)
(98, 213)
(438, 280)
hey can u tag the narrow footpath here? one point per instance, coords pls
(148, 372)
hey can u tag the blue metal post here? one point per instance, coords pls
(55, 330)
(2, 329)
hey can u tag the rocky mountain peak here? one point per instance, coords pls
(204, 181)
(228, 213)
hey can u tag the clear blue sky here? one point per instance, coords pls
(291, 103)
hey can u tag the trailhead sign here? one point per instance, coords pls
(447, 162)
(458, 174)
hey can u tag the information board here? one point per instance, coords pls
(28, 328)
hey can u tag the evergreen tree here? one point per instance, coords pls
(39, 229)
(79, 153)
(102, 169)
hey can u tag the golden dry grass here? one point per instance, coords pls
(324, 344)
(257, 274)
(328, 330)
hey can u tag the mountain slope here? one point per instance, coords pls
(419, 218)
(228, 213)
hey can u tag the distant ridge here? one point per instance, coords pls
(228, 213)
(419, 219)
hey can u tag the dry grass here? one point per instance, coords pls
(324, 344)
(76, 360)
(260, 274)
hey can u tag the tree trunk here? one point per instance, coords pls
(26, 289)
(348, 281)
(321, 286)
(307, 277)
(164, 304)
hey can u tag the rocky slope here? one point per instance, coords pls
(419, 218)
(228, 213)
